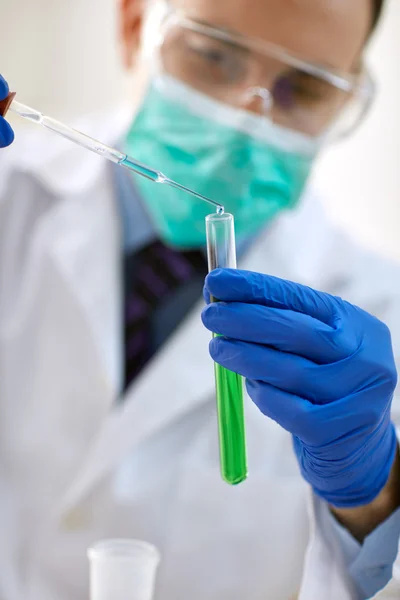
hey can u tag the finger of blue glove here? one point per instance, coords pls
(322, 427)
(232, 285)
(6, 133)
(4, 89)
(291, 412)
(320, 384)
(286, 371)
(284, 330)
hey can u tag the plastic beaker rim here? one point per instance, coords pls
(121, 548)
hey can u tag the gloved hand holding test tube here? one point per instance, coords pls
(221, 250)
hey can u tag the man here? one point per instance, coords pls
(108, 419)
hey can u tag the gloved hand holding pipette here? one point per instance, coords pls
(320, 367)
(6, 132)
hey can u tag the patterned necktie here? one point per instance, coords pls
(154, 277)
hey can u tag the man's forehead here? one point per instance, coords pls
(329, 31)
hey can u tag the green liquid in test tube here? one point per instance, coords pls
(221, 251)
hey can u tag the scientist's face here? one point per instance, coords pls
(202, 121)
(331, 33)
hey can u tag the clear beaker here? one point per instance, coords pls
(123, 569)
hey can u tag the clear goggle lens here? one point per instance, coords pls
(268, 82)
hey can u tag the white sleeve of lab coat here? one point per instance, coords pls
(326, 573)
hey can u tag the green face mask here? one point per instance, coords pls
(242, 161)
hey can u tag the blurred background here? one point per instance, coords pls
(62, 57)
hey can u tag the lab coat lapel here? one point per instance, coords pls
(87, 248)
(177, 380)
(85, 232)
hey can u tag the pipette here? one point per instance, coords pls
(99, 148)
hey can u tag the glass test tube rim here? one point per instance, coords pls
(221, 246)
(122, 549)
(216, 217)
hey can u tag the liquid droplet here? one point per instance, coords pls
(220, 210)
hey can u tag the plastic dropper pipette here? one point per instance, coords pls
(99, 148)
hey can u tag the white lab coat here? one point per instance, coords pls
(76, 467)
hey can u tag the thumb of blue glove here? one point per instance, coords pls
(6, 133)
(321, 368)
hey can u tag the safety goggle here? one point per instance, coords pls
(260, 77)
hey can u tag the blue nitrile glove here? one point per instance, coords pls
(6, 133)
(321, 368)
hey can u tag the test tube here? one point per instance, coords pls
(122, 569)
(221, 250)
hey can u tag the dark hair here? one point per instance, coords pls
(378, 7)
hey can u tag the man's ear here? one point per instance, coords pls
(130, 27)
